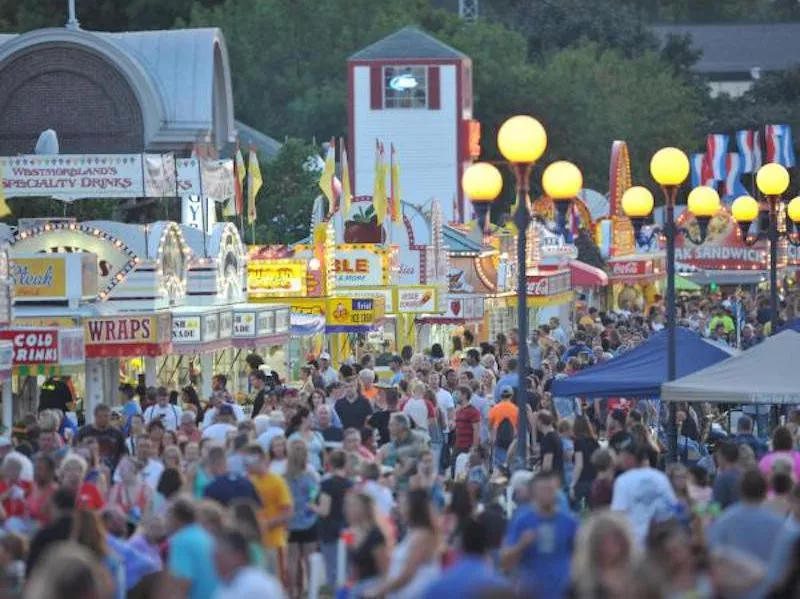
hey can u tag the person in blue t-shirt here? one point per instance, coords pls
(191, 553)
(472, 575)
(129, 406)
(540, 540)
(226, 486)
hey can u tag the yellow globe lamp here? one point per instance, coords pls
(637, 202)
(669, 167)
(482, 183)
(703, 201)
(562, 181)
(793, 210)
(522, 140)
(772, 179)
(744, 209)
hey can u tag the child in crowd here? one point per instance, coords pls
(603, 485)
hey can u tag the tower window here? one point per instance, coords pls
(405, 87)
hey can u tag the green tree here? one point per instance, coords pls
(283, 205)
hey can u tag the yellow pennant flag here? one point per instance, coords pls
(254, 183)
(328, 172)
(396, 208)
(379, 188)
(4, 209)
(347, 193)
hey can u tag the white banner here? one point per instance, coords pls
(77, 176)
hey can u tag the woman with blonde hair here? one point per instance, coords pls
(88, 531)
(131, 494)
(72, 474)
(604, 556)
(303, 528)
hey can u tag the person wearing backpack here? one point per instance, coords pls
(503, 425)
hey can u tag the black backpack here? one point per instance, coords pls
(505, 434)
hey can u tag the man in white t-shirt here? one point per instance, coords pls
(238, 579)
(217, 399)
(416, 408)
(328, 374)
(641, 493)
(223, 425)
(169, 414)
(145, 452)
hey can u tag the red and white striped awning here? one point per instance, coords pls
(586, 275)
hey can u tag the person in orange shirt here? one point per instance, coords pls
(503, 418)
(368, 388)
(276, 511)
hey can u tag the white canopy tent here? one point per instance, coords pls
(765, 374)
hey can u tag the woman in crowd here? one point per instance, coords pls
(584, 473)
(245, 518)
(169, 486)
(131, 494)
(414, 564)
(189, 398)
(643, 438)
(300, 429)
(782, 449)
(318, 398)
(87, 530)
(604, 557)
(44, 485)
(277, 455)
(368, 553)
(72, 474)
(304, 487)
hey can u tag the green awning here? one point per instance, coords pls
(684, 284)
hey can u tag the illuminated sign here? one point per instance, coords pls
(360, 266)
(351, 315)
(122, 336)
(34, 346)
(39, 277)
(403, 82)
(276, 278)
(416, 300)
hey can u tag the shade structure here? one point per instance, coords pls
(684, 284)
(586, 275)
(764, 374)
(792, 325)
(641, 371)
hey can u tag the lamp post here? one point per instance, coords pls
(670, 168)
(522, 141)
(772, 181)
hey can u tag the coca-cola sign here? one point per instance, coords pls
(631, 268)
(544, 285)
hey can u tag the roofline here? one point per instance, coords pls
(415, 28)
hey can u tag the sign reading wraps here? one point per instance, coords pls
(416, 300)
(353, 315)
(124, 336)
(46, 346)
(276, 278)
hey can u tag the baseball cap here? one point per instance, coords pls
(127, 389)
(325, 356)
(507, 392)
(225, 410)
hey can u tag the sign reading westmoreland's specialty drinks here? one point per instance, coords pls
(128, 336)
(353, 314)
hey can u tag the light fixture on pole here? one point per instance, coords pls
(482, 183)
(772, 181)
(670, 168)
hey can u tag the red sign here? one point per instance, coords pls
(35, 346)
(550, 284)
(631, 268)
(722, 249)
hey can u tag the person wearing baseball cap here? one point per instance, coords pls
(328, 374)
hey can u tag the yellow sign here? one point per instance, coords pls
(353, 314)
(43, 278)
(276, 278)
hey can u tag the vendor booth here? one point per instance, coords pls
(641, 371)
(760, 375)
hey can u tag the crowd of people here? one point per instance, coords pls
(410, 484)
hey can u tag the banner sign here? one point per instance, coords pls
(185, 329)
(360, 266)
(416, 300)
(545, 285)
(72, 177)
(41, 278)
(353, 315)
(128, 336)
(46, 346)
(259, 324)
(722, 249)
(386, 294)
(277, 278)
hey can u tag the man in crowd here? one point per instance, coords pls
(744, 436)
(726, 483)
(110, 440)
(225, 486)
(167, 413)
(191, 554)
(328, 374)
(353, 409)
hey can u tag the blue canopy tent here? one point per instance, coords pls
(641, 371)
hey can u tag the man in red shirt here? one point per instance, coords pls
(468, 421)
